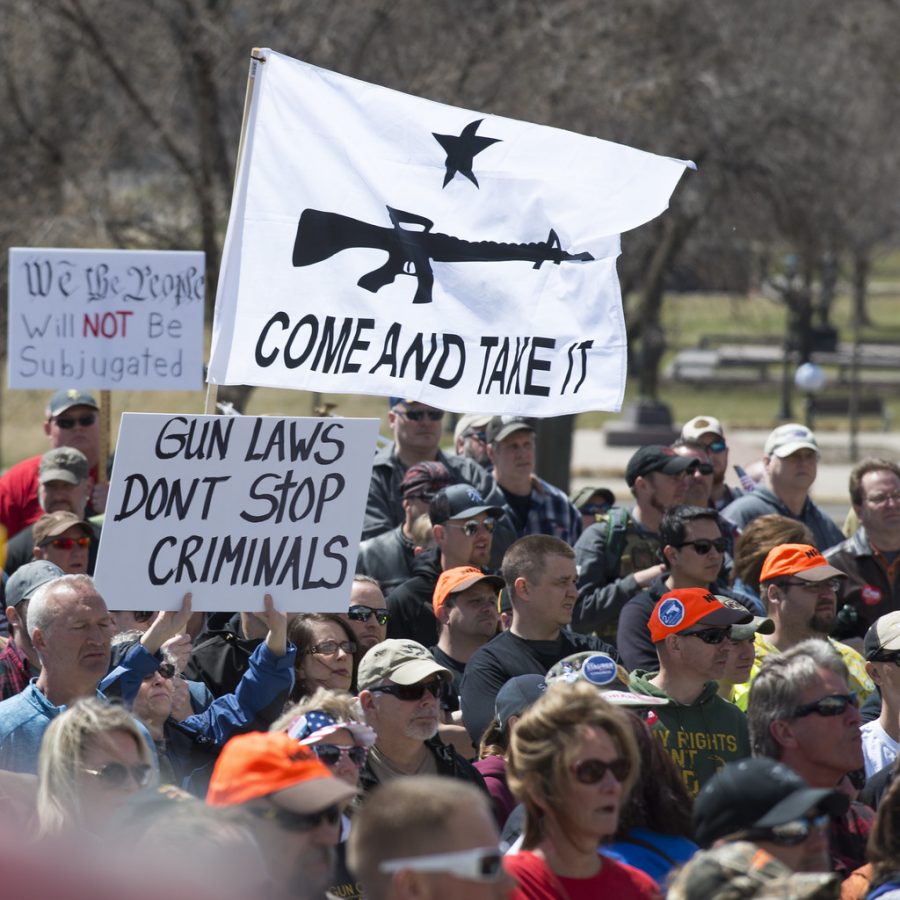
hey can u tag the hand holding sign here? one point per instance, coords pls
(166, 625)
(276, 622)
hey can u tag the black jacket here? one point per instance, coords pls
(412, 615)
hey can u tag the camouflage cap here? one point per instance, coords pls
(741, 870)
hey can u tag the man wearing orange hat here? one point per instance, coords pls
(691, 628)
(465, 606)
(799, 589)
(292, 803)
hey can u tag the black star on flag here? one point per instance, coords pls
(462, 149)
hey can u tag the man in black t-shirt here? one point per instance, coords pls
(539, 572)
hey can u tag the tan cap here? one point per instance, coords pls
(52, 525)
(700, 425)
(398, 660)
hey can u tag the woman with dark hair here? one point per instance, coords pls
(655, 832)
(572, 761)
(326, 654)
(882, 873)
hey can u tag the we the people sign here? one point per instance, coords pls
(106, 319)
(233, 507)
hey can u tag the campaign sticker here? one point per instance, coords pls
(599, 669)
(871, 595)
(671, 612)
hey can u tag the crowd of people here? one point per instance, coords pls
(530, 695)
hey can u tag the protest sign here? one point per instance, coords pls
(386, 244)
(233, 507)
(106, 319)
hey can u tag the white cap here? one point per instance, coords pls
(788, 439)
(700, 425)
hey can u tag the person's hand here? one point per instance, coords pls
(98, 498)
(645, 576)
(167, 624)
(178, 649)
(181, 700)
(276, 622)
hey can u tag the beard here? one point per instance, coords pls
(821, 623)
(422, 729)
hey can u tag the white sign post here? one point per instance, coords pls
(231, 508)
(106, 319)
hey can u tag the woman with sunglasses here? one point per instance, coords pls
(93, 757)
(326, 654)
(572, 762)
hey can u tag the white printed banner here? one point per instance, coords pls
(233, 507)
(106, 319)
(386, 244)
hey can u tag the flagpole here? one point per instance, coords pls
(212, 390)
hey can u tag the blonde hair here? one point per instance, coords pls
(540, 749)
(62, 755)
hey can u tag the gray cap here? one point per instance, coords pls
(28, 578)
(63, 464)
(66, 399)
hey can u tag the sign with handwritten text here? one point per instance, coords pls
(106, 319)
(233, 507)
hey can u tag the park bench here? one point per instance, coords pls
(868, 405)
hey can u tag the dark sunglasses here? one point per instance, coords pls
(329, 648)
(331, 754)
(704, 468)
(410, 692)
(67, 422)
(888, 657)
(594, 509)
(416, 415)
(710, 635)
(143, 615)
(470, 528)
(68, 543)
(360, 613)
(294, 821)
(701, 548)
(788, 834)
(167, 670)
(591, 771)
(114, 775)
(716, 447)
(832, 705)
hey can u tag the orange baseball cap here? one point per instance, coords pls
(679, 610)
(457, 579)
(271, 764)
(802, 560)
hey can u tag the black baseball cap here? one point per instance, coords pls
(757, 793)
(459, 501)
(501, 427)
(657, 458)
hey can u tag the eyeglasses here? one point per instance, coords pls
(883, 499)
(701, 548)
(829, 584)
(790, 833)
(888, 656)
(592, 771)
(329, 648)
(166, 670)
(416, 415)
(716, 447)
(410, 692)
(331, 754)
(114, 775)
(470, 528)
(67, 422)
(480, 864)
(710, 635)
(294, 821)
(68, 543)
(832, 705)
(360, 613)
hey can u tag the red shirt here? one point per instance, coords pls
(536, 881)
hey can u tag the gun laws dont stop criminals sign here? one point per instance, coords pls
(382, 243)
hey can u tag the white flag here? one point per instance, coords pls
(385, 244)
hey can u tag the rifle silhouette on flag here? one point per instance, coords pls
(321, 234)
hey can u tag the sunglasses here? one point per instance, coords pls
(470, 528)
(331, 754)
(594, 509)
(294, 821)
(701, 548)
(410, 692)
(479, 864)
(166, 670)
(888, 657)
(791, 833)
(114, 775)
(416, 415)
(68, 543)
(833, 705)
(710, 635)
(67, 422)
(143, 616)
(361, 613)
(716, 447)
(592, 771)
(329, 648)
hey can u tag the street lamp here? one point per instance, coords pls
(810, 378)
